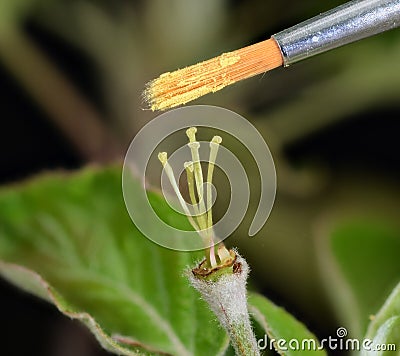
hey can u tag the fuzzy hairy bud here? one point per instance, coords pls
(226, 295)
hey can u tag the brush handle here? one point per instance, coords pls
(344, 24)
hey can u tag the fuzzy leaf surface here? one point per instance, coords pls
(278, 324)
(384, 329)
(69, 239)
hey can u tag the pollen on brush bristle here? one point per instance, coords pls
(172, 89)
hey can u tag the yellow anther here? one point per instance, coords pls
(217, 139)
(191, 133)
(163, 158)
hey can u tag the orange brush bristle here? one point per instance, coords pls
(179, 87)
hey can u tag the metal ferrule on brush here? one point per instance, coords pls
(345, 24)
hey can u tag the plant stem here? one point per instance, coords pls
(243, 340)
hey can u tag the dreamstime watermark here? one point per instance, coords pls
(146, 145)
(339, 342)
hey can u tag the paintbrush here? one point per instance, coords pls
(344, 24)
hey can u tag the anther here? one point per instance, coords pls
(191, 134)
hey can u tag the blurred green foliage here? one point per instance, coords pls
(69, 240)
(130, 42)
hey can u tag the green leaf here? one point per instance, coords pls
(290, 336)
(386, 341)
(384, 328)
(69, 240)
(360, 265)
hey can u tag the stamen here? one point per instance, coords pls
(188, 166)
(214, 145)
(223, 252)
(194, 148)
(213, 260)
(201, 218)
(163, 157)
(191, 133)
(217, 139)
(202, 223)
(198, 173)
(190, 180)
(198, 176)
